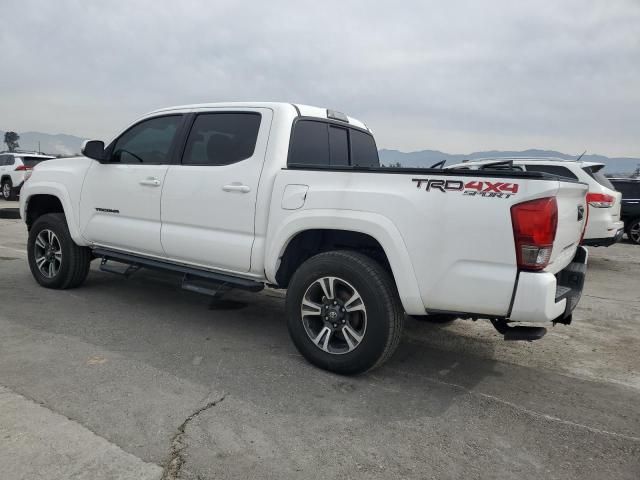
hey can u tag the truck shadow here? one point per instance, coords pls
(248, 341)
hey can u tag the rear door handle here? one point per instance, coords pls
(237, 187)
(151, 181)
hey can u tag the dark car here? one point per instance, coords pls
(630, 213)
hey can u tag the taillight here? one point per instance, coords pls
(534, 229)
(22, 168)
(600, 200)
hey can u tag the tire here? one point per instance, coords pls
(441, 318)
(633, 231)
(8, 192)
(70, 266)
(374, 320)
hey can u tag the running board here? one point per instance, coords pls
(519, 332)
(136, 262)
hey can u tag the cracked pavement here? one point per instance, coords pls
(138, 374)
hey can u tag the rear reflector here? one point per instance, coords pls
(600, 200)
(534, 229)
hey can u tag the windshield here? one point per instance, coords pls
(595, 172)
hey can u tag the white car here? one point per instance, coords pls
(13, 170)
(243, 195)
(604, 226)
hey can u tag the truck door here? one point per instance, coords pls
(120, 200)
(209, 197)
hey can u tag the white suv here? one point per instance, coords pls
(604, 227)
(13, 171)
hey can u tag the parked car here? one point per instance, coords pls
(630, 189)
(604, 227)
(245, 195)
(13, 168)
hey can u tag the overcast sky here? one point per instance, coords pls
(457, 76)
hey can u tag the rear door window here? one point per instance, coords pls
(553, 170)
(222, 138)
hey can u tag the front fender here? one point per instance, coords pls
(375, 225)
(30, 189)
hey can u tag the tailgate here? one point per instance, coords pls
(572, 216)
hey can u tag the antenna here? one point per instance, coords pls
(581, 155)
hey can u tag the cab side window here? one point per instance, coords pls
(222, 138)
(148, 142)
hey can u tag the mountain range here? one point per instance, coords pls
(61, 144)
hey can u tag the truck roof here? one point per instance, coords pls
(300, 109)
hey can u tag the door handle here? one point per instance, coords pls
(236, 187)
(151, 181)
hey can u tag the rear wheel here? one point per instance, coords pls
(8, 192)
(343, 312)
(54, 258)
(633, 231)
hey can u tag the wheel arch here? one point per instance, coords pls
(310, 232)
(50, 200)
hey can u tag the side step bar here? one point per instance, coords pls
(190, 274)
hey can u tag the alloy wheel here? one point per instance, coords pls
(334, 315)
(48, 253)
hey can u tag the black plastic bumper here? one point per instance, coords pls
(604, 242)
(570, 283)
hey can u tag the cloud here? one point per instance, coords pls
(456, 76)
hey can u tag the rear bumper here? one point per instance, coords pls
(545, 297)
(606, 241)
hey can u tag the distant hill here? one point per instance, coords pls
(59, 144)
(426, 158)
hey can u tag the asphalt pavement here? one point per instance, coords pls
(136, 378)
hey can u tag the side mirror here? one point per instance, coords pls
(93, 149)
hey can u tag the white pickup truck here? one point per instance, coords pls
(243, 195)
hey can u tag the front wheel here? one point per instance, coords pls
(54, 258)
(343, 312)
(633, 231)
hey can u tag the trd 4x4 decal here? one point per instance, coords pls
(473, 188)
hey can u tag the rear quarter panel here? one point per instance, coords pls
(456, 247)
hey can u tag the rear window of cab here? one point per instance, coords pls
(316, 143)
